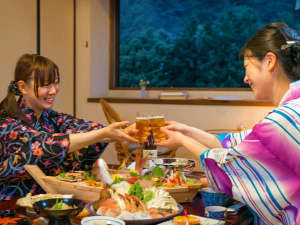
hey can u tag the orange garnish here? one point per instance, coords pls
(8, 220)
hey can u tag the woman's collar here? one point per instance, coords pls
(292, 93)
(25, 108)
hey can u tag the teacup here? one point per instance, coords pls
(216, 212)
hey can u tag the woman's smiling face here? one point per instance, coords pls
(258, 77)
(45, 98)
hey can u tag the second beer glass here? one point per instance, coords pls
(156, 122)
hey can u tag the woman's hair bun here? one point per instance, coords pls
(292, 50)
(295, 52)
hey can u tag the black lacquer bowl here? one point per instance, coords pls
(62, 216)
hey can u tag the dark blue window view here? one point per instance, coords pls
(192, 43)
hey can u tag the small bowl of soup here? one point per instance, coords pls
(59, 210)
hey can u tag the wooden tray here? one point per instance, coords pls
(80, 191)
(52, 184)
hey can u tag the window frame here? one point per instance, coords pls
(114, 46)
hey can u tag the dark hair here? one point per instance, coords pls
(30, 66)
(280, 39)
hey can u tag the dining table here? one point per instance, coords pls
(196, 207)
(192, 207)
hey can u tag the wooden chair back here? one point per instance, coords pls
(110, 114)
(111, 117)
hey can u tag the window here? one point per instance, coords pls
(297, 6)
(190, 43)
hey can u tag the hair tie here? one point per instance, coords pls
(13, 87)
(289, 44)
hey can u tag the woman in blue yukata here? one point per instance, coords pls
(259, 167)
(32, 133)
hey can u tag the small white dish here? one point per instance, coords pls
(216, 212)
(101, 220)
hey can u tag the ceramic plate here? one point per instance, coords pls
(92, 220)
(203, 221)
(141, 221)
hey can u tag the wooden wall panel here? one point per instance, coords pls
(18, 36)
(57, 43)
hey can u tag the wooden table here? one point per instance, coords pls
(195, 207)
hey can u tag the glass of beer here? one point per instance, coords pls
(156, 122)
(142, 124)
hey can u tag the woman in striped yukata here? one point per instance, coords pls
(259, 167)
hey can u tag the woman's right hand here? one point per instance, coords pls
(116, 132)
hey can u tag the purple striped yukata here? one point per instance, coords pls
(261, 167)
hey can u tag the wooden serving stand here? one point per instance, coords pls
(53, 185)
(184, 193)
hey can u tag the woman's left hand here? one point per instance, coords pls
(131, 130)
(174, 139)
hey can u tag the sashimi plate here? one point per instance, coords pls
(90, 208)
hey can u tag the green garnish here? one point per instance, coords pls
(146, 177)
(148, 195)
(137, 190)
(88, 176)
(117, 180)
(191, 180)
(58, 205)
(157, 172)
(158, 184)
(62, 175)
(134, 174)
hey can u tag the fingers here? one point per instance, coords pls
(170, 122)
(117, 133)
(132, 132)
(126, 137)
(162, 143)
(130, 127)
(119, 124)
(165, 130)
(172, 127)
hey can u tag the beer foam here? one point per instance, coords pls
(156, 117)
(142, 118)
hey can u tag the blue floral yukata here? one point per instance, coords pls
(44, 143)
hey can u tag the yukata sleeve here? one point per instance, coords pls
(229, 140)
(84, 158)
(20, 145)
(215, 161)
